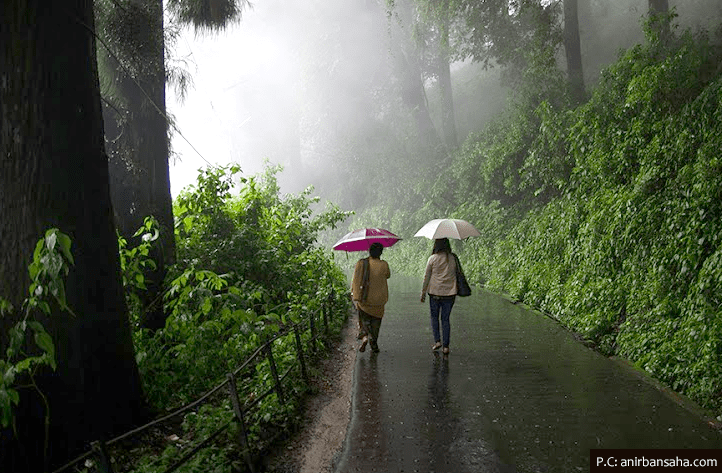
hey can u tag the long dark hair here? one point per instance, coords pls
(441, 245)
(375, 250)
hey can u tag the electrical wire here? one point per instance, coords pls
(162, 113)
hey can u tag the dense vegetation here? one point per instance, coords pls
(602, 210)
(247, 266)
(605, 215)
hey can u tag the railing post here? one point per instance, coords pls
(274, 373)
(329, 302)
(299, 350)
(312, 323)
(104, 465)
(325, 318)
(243, 435)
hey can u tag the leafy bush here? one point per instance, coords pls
(247, 267)
(627, 255)
(607, 216)
(21, 362)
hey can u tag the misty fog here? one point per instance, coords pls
(313, 86)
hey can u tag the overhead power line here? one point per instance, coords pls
(162, 113)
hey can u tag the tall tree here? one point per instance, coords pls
(448, 118)
(54, 173)
(133, 64)
(407, 59)
(429, 25)
(572, 47)
(514, 34)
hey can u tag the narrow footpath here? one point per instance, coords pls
(517, 393)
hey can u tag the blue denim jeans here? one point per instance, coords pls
(441, 308)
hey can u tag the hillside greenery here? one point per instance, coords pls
(607, 215)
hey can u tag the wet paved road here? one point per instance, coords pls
(516, 394)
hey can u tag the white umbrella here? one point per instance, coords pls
(447, 228)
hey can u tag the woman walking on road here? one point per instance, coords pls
(370, 292)
(440, 284)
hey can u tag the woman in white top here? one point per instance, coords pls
(440, 284)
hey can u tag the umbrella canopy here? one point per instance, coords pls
(360, 240)
(447, 228)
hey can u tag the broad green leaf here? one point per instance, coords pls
(50, 241)
(45, 342)
(36, 326)
(188, 223)
(38, 249)
(8, 376)
(13, 395)
(27, 363)
(207, 306)
(65, 244)
(5, 307)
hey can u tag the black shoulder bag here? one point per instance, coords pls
(462, 286)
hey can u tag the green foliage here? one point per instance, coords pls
(626, 255)
(258, 235)
(247, 267)
(22, 361)
(134, 262)
(498, 32)
(207, 17)
(606, 216)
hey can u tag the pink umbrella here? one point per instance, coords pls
(360, 240)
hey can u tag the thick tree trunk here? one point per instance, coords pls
(572, 46)
(414, 97)
(140, 178)
(54, 173)
(448, 119)
(140, 187)
(413, 93)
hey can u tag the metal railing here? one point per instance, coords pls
(101, 459)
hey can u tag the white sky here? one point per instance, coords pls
(217, 116)
(241, 105)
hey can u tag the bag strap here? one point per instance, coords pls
(458, 264)
(365, 280)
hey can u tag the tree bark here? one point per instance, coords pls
(448, 119)
(413, 96)
(139, 172)
(573, 49)
(54, 173)
(408, 68)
